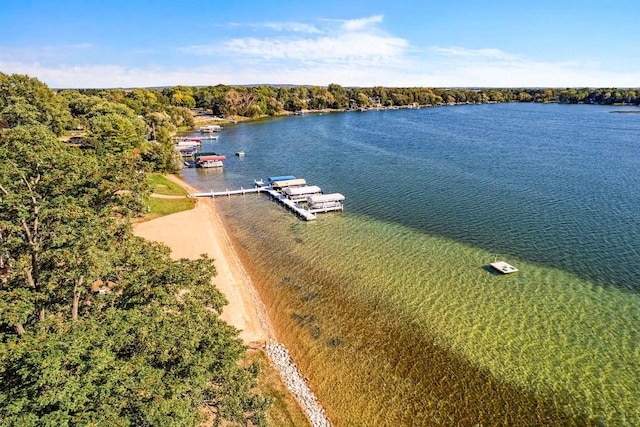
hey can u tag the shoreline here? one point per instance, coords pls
(201, 231)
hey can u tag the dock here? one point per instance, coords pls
(226, 192)
(277, 194)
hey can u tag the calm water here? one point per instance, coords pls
(390, 309)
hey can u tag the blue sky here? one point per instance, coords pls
(434, 43)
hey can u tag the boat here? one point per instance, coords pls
(503, 267)
(209, 161)
(273, 179)
(189, 142)
(325, 202)
(210, 128)
(301, 193)
(205, 153)
(210, 164)
(281, 184)
(187, 151)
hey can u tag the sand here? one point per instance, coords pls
(200, 231)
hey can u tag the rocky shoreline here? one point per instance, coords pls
(296, 384)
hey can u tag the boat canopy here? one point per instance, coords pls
(187, 143)
(204, 154)
(211, 158)
(280, 178)
(325, 198)
(289, 183)
(302, 191)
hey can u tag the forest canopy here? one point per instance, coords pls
(98, 326)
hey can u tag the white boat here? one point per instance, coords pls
(325, 202)
(210, 128)
(188, 142)
(210, 164)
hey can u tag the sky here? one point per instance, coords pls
(392, 43)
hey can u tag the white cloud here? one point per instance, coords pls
(462, 53)
(356, 39)
(361, 23)
(295, 27)
(349, 45)
(39, 53)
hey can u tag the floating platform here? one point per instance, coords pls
(503, 267)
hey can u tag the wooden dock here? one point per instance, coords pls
(290, 204)
(306, 213)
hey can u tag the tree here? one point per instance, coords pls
(340, 97)
(25, 101)
(57, 204)
(363, 99)
(152, 350)
(113, 133)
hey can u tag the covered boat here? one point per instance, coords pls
(210, 161)
(273, 179)
(301, 193)
(278, 185)
(210, 128)
(325, 202)
(188, 142)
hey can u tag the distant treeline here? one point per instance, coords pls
(121, 120)
(259, 101)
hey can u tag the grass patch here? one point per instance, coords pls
(161, 185)
(285, 411)
(161, 207)
(158, 206)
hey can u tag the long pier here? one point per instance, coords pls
(227, 192)
(278, 197)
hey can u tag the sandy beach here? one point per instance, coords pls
(199, 231)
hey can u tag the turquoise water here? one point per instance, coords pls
(390, 309)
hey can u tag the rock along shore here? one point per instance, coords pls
(296, 384)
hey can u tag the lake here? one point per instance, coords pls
(390, 308)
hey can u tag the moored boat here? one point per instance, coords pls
(210, 128)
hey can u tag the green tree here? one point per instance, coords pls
(340, 96)
(151, 350)
(114, 133)
(25, 101)
(363, 99)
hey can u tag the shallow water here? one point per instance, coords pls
(390, 309)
